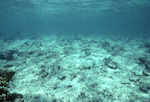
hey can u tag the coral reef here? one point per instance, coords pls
(5, 95)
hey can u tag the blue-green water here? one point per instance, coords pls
(97, 51)
(75, 16)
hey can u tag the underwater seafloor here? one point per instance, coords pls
(78, 68)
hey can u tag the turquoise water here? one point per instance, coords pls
(76, 50)
(75, 16)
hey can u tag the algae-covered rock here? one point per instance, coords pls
(7, 74)
(5, 95)
(7, 55)
(110, 63)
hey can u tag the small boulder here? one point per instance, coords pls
(110, 63)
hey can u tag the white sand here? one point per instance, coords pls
(73, 69)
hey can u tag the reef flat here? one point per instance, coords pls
(78, 68)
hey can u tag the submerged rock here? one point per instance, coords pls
(7, 74)
(7, 55)
(146, 62)
(144, 84)
(142, 60)
(144, 88)
(110, 63)
(147, 66)
(5, 95)
(146, 73)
